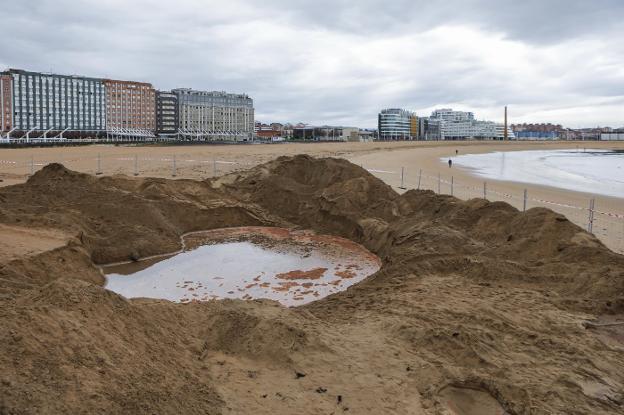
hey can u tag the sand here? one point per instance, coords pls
(574, 205)
(18, 241)
(477, 306)
(198, 161)
(384, 158)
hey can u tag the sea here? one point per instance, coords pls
(599, 172)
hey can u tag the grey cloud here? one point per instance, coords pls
(338, 62)
(529, 20)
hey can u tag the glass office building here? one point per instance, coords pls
(396, 124)
(43, 102)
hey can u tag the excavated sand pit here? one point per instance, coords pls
(469, 293)
(292, 267)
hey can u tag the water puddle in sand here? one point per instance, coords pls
(292, 267)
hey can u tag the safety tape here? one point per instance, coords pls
(381, 171)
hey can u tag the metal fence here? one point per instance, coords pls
(174, 165)
(604, 217)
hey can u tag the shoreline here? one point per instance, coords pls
(477, 172)
(606, 221)
(430, 159)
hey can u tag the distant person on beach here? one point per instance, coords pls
(450, 163)
(456, 151)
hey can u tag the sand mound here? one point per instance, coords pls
(473, 293)
(328, 195)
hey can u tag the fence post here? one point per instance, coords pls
(439, 182)
(99, 164)
(590, 222)
(32, 165)
(402, 175)
(452, 185)
(485, 190)
(419, 177)
(214, 168)
(525, 200)
(136, 165)
(173, 167)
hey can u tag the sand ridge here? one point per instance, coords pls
(19, 241)
(471, 294)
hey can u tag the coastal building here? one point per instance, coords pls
(215, 115)
(287, 130)
(6, 103)
(43, 102)
(266, 131)
(544, 127)
(612, 136)
(590, 133)
(130, 108)
(325, 133)
(414, 126)
(536, 135)
(429, 129)
(167, 116)
(367, 135)
(587, 133)
(461, 125)
(537, 131)
(397, 124)
(455, 125)
(499, 132)
(349, 134)
(277, 126)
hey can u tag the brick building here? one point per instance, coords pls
(267, 131)
(130, 107)
(6, 103)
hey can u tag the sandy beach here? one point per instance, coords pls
(477, 308)
(431, 158)
(383, 159)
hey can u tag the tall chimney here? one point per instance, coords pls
(505, 135)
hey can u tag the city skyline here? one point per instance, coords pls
(339, 63)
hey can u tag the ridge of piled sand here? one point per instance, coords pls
(471, 296)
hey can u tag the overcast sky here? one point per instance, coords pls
(338, 61)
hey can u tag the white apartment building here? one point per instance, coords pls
(461, 125)
(215, 115)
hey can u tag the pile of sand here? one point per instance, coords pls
(477, 306)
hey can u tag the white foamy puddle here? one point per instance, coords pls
(293, 268)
